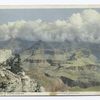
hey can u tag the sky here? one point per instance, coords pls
(50, 24)
(10, 15)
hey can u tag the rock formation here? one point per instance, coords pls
(14, 79)
(10, 82)
(4, 54)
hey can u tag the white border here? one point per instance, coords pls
(50, 1)
(45, 6)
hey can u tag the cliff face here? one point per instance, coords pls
(80, 69)
(10, 82)
(60, 72)
(12, 76)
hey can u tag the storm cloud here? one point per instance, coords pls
(84, 26)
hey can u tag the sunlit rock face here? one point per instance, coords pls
(5, 54)
(11, 82)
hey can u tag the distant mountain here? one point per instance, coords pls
(16, 45)
(19, 45)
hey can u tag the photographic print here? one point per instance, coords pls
(49, 50)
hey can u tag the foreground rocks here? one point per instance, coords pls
(10, 82)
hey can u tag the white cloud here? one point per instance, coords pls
(90, 16)
(84, 26)
(76, 20)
